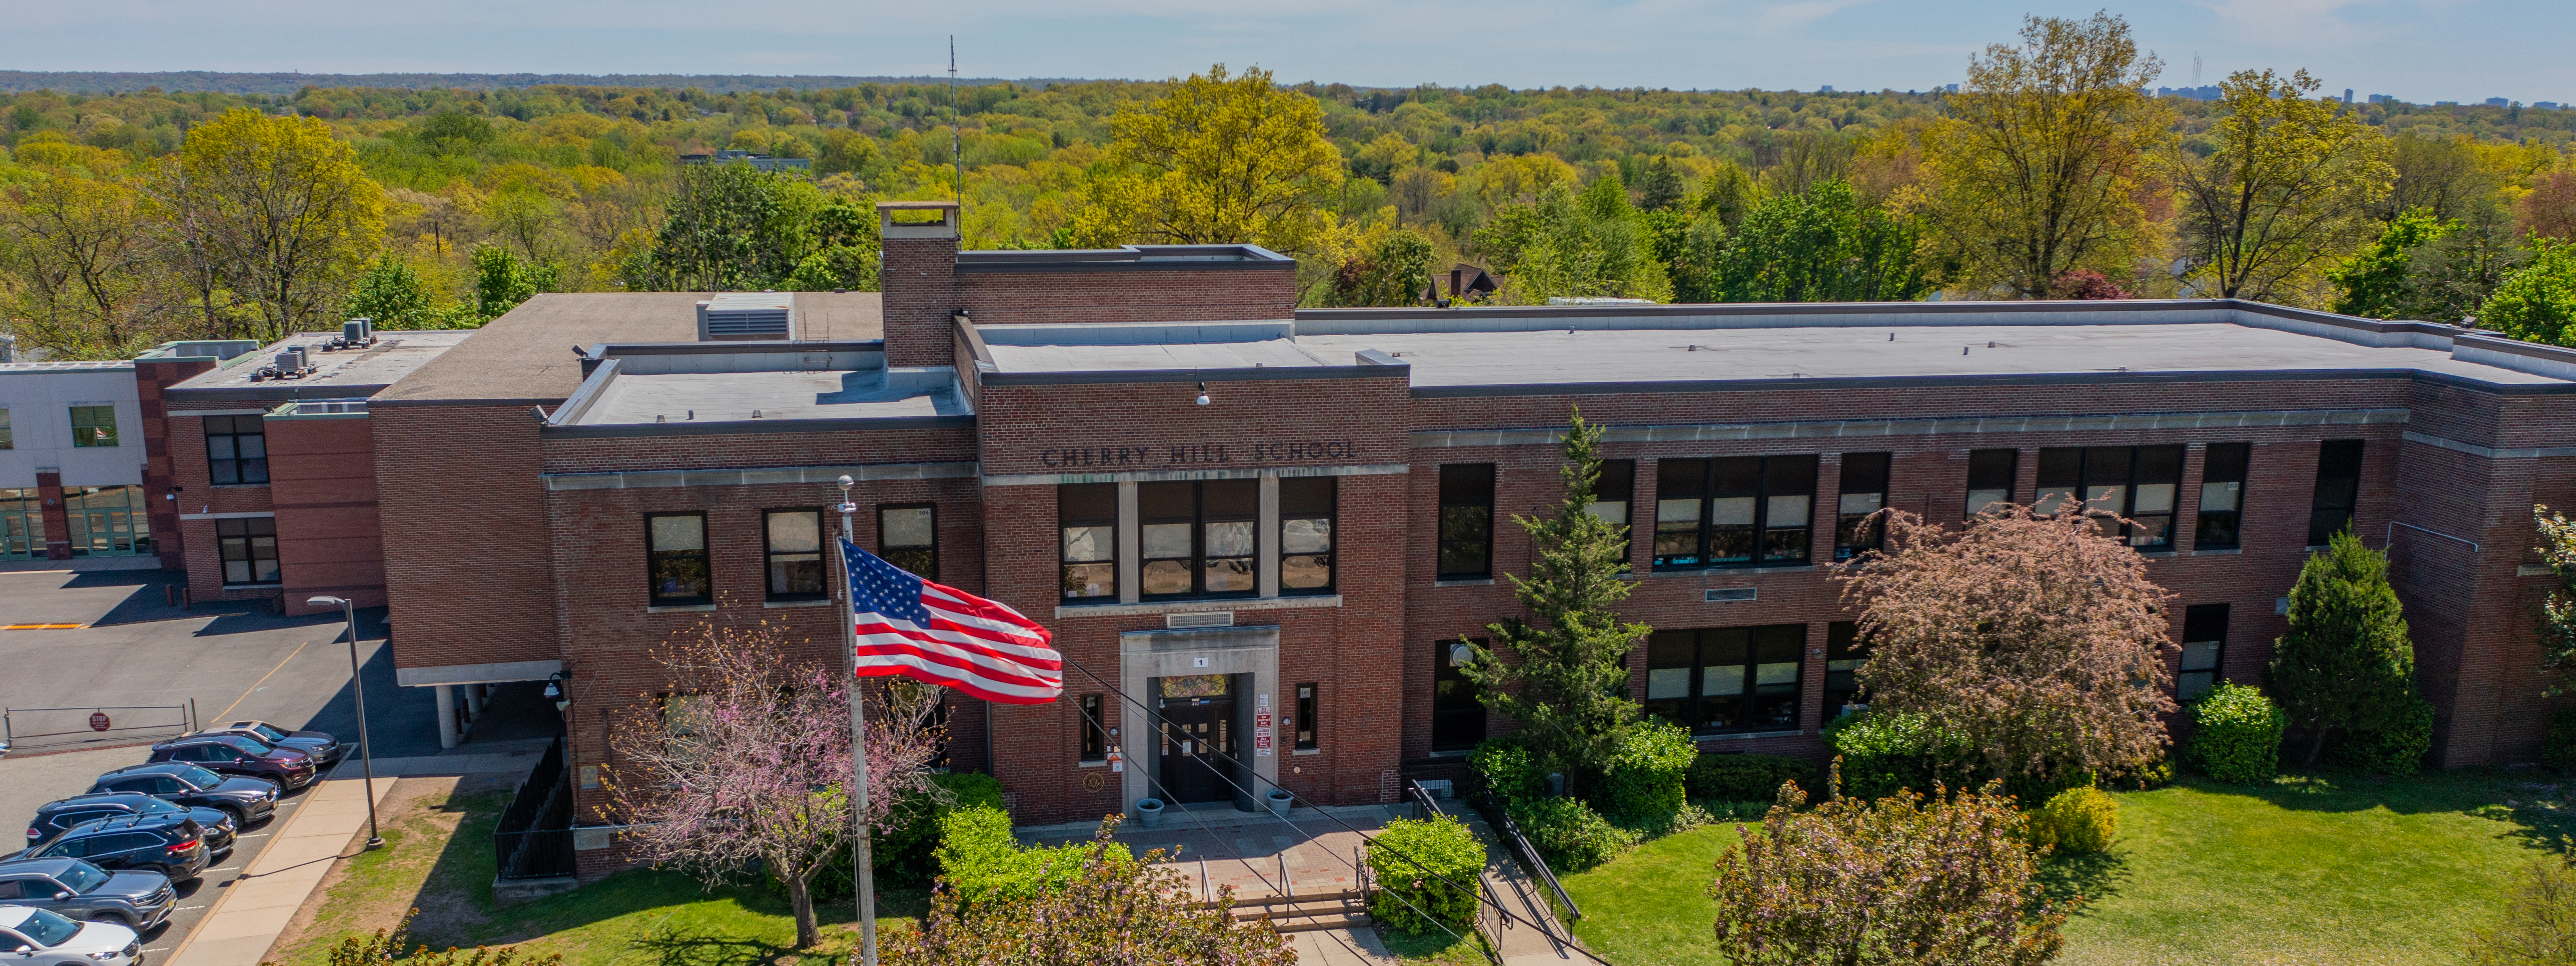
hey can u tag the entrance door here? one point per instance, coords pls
(22, 525)
(1197, 738)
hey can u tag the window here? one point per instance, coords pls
(2222, 495)
(22, 523)
(2204, 644)
(1304, 727)
(1197, 537)
(1844, 652)
(93, 425)
(1457, 716)
(236, 450)
(2338, 489)
(908, 537)
(1864, 493)
(1990, 478)
(1612, 496)
(249, 549)
(7, 441)
(2136, 482)
(1466, 521)
(1087, 518)
(107, 520)
(1726, 679)
(1095, 732)
(1736, 511)
(794, 539)
(1306, 535)
(676, 559)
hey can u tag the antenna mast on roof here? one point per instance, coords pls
(953, 149)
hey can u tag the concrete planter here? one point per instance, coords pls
(1149, 811)
(1280, 801)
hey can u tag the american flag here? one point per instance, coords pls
(942, 635)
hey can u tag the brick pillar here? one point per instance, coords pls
(58, 524)
(151, 377)
(920, 281)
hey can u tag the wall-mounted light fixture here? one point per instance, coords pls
(555, 691)
(1203, 399)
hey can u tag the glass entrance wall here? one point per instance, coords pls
(22, 524)
(107, 521)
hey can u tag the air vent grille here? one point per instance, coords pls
(748, 317)
(1198, 619)
(1729, 595)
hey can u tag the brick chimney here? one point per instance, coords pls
(920, 281)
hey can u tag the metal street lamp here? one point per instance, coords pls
(358, 685)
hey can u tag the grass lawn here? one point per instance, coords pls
(2337, 868)
(438, 859)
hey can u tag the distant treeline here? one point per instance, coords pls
(290, 82)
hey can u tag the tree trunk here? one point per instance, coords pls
(2316, 746)
(800, 897)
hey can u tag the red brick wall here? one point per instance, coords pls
(186, 453)
(1130, 295)
(151, 376)
(322, 479)
(468, 570)
(920, 300)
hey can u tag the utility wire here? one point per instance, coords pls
(1506, 914)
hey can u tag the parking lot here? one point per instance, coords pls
(130, 649)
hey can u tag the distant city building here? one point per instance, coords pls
(1954, 88)
(2545, 105)
(2382, 99)
(2206, 92)
(2347, 95)
(760, 162)
(1827, 89)
(2446, 103)
(2496, 102)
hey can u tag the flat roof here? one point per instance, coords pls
(717, 397)
(358, 371)
(530, 356)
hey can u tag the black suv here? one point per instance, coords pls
(248, 799)
(55, 818)
(169, 844)
(75, 889)
(236, 755)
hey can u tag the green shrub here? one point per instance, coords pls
(979, 858)
(2077, 820)
(902, 853)
(1645, 783)
(2143, 778)
(1883, 753)
(1425, 869)
(1747, 778)
(1511, 770)
(2398, 750)
(2560, 751)
(2236, 735)
(1569, 834)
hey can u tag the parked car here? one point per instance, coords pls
(236, 755)
(319, 744)
(80, 890)
(248, 799)
(169, 844)
(53, 818)
(40, 938)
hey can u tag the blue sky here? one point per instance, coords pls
(2419, 50)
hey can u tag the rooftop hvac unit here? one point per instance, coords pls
(357, 330)
(291, 360)
(763, 316)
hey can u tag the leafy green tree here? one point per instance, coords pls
(1565, 244)
(734, 228)
(2286, 194)
(77, 265)
(1569, 685)
(2346, 662)
(454, 132)
(1729, 192)
(1660, 187)
(1217, 159)
(2376, 281)
(283, 211)
(847, 253)
(502, 280)
(2538, 302)
(2037, 171)
(1394, 271)
(390, 295)
(1818, 245)
(1696, 257)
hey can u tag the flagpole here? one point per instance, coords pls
(862, 864)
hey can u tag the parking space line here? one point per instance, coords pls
(263, 679)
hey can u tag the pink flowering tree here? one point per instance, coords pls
(748, 760)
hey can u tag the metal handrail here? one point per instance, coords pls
(1521, 844)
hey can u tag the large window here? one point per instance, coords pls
(1990, 478)
(794, 541)
(1736, 511)
(1613, 494)
(1198, 537)
(676, 559)
(1087, 520)
(1844, 652)
(908, 537)
(1306, 535)
(1457, 716)
(22, 523)
(236, 450)
(93, 425)
(1304, 727)
(1095, 730)
(1726, 679)
(249, 550)
(107, 520)
(2338, 489)
(2136, 482)
(2204, 648)
(1466, 521)
(2222, 496)
(1864, 493)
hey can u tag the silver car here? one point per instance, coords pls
(34, 937)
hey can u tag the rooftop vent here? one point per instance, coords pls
(762, 316)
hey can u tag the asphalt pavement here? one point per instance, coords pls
(140, 662)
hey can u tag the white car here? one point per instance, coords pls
(35, 937)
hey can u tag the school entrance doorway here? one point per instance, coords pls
(1197, 737)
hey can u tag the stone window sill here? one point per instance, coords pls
(1749, 735)
(1714, 571)
(1307, 751)
(276, 586)
(2220, 552)
(237, 486)
(1197, 606)
(820, 602)
(679, 608)
(1477, 582)
(1103, 763)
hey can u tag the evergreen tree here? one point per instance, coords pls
(1569, 686)
(2346, 662)
(1660, 187)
